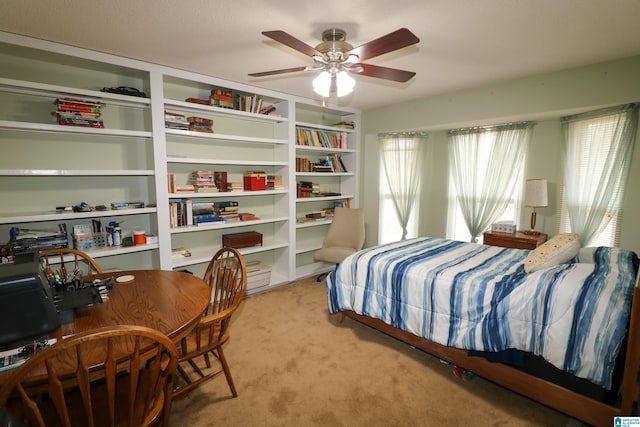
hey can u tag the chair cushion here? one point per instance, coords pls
(334, 254)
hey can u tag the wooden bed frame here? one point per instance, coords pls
(559, 398)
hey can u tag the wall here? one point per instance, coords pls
(543, 98)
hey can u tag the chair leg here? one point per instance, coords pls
(227, 372)
(321, 277)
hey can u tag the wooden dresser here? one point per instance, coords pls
(517, 240)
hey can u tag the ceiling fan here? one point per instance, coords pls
(335, 58)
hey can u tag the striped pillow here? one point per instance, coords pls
(557, 250)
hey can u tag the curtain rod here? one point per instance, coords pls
(491, 127)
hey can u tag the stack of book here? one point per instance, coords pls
(247, 216)
(200, 124)
(347, 124)
(203, 212)
(77, 112)
(229, 213)
(174, 187)
(316, 215)
(235, 186)
(175, 121)
(180, 253)
(204, 182)
(323, 165)
(274, 182)
(308, 189)
(221, 97)
(199, 101)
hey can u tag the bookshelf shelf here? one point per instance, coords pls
(313, 223)
(56, 91)
(225, 194)
(185, 160)
(171, 104)
(325, 174)
(303, 148)
(55, 128)
(62, 172)
(17, 217)
(324, 127)
(203, 255)
(319, 199)
(220, 226)
(222, 137)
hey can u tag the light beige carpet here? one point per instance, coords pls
(294, 365)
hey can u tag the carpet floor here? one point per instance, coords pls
(294, 365)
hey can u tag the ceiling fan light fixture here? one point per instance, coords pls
(322, 84)
(345, 83)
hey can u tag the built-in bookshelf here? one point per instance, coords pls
(51, 161)
(128, 152)
(326, 156)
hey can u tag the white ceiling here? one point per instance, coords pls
(463, 43)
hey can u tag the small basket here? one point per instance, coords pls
(100, 240)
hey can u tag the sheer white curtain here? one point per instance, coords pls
(485, 164)
(402, 163)
(597, 155)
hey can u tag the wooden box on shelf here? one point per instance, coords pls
(242, 240)
(517, 240)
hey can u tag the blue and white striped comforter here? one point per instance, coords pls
(478, 297)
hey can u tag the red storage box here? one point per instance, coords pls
(255, 181)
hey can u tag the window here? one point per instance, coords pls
(401, 170)
(598, 148)
(486, 173)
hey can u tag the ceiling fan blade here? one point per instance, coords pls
(288, 40)
(271, 73)
(392, 41)
(385, 73)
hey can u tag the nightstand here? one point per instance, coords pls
(517, 240)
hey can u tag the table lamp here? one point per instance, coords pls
(535, 196)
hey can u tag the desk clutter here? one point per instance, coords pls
(85, 237)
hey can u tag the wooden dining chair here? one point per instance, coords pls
(119, 375)
(226, 274)
(67, 260)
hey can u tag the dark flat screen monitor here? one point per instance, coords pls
(27, 311)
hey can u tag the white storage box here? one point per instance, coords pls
(504, 227)
(258, 275)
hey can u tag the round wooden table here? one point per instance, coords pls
(171, 302)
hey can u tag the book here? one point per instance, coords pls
(180, 252)
(199, 101)
(220, 178)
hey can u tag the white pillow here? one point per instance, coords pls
(557, 250)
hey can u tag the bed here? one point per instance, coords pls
(565, 334)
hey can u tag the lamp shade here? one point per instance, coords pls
(535, 193)
(322, 84)
(345, 83)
